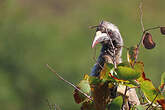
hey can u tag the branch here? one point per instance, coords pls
(56, 106)
(49, 105)
(52, 106)
(92, 27)
(98, 63)
(143, 29)
(69, 83)
(126, 89)
(141, 14)
(142, 26)
(153, 101)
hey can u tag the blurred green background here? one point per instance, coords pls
(36, 32)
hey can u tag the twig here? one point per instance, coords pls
(143, 30)
(126, 89)
(143, 34)
(124, 47)
(52, 106)
(142, 97)
(142, 37)
(98, 62)
(91, 27)
(69, 83)
(56, 106)
(49, 105)
(141, 14)
(152, 101)
(152, 28)
(142, 25)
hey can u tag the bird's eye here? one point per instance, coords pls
(110, 33)
(103, 30)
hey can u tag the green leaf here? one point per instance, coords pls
(94, 80)
(131, 83)
(116, 103)
(163, 78)
(148, 89)
(104, 74)
(139, 67)
(127, 73)
(162, 84)
(85, 87)
(132, 54)
(140, 107)
(124, 64)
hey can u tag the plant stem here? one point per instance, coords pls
(124, 96)
(140, 42)
(152, 101)
(75, 87)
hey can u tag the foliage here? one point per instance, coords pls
(116, 103)
(100, 87)
(130, 74)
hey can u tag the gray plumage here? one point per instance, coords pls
(111, 46)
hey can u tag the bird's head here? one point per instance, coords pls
(106, 32)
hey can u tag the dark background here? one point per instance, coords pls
(36, 32)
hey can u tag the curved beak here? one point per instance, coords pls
(99, 37)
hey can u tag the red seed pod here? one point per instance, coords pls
(148, 43)
(162, 30)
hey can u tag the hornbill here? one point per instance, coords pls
(109, 36)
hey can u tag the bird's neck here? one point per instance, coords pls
(110, 53)
(106, 56)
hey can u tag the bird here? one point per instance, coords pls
(108, 35)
